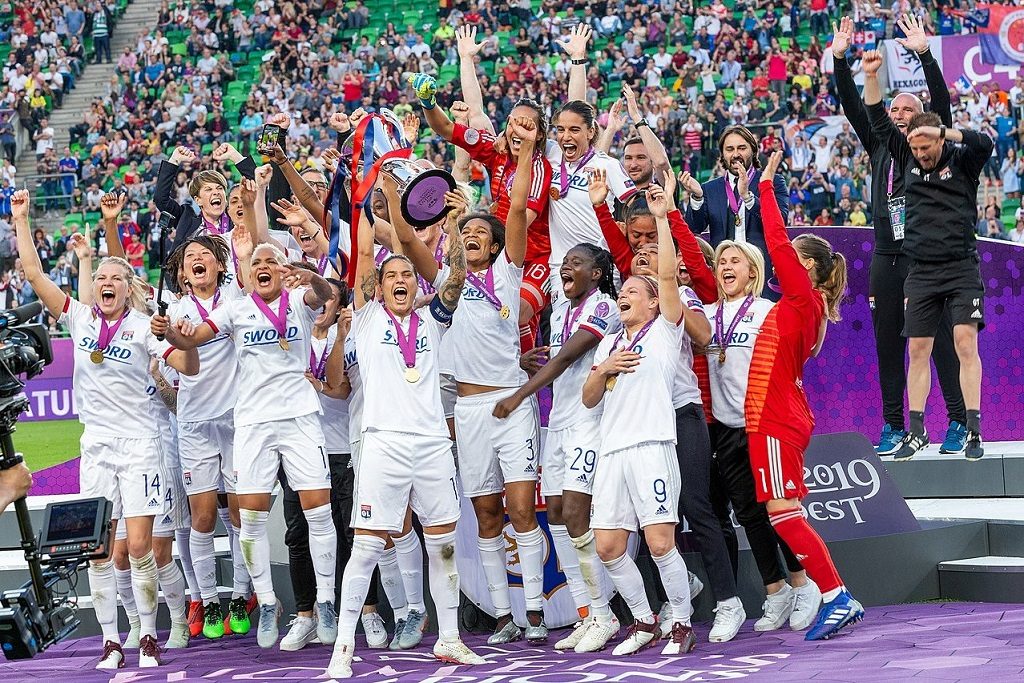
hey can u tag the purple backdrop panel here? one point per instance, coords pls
(849, 492)
(842, 383)
(56, 480)
(49, 399)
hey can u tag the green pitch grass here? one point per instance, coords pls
(47, 443)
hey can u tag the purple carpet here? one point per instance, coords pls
(931, 642)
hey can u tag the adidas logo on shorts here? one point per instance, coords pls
(661, 510)
(976, 315)
(790, 486)
(582, 478)
(529, 468)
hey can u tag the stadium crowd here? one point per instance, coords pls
(587, 166)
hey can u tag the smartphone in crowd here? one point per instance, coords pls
(270, 138)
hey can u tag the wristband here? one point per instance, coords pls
(580, 62)
(942, 132)
(640, 124)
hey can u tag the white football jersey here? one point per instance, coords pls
(110, 396)
(597, 315)
(334, 419)
(572, 218)
(213, 391)
(485, 346)
(686, 389)
(390, 403)
(639, 408)
(729, 379)
(355, 399)
(271, 381)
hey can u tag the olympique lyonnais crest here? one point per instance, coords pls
(1011, 35)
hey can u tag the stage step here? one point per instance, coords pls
(990, 578)
(932, 475)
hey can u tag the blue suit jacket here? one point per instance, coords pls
(717, 219)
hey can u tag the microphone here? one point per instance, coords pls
(20, 315)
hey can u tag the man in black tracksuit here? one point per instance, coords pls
(889, 262)
(941, 167)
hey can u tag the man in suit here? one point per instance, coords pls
(728, 207)
(209, 190)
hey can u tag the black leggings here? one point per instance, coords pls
(734, 483)
(887, 275)
(693, 449)
(296, 537)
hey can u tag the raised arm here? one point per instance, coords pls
(849, 96)
(618, 245)
(653, 145)
(163, 193)
(465, 38)
(81, 245)
(111, 205)
(696, 207)
(408, 244)
(425, 88)
(52, 296)
(916, 41)
(615, 123)
(450, 292)
(702, 277)
(668, 285)
(295, 215)
(227, 152)
(575, 45)
(793, 278)
(516, 223)
(366, 268)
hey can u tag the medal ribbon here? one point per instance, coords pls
(734, 202)
(892, 165)
(572, 316)
(406, 342)
(636, 339)
(721, 333)
(485, 287)
(106, 331)
(317, 366)
(216, 229)
(280, 320)
(428, 287)
(362, 146)
(563, 180)
(203, 313)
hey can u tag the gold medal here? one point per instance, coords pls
(493, 208)
(412, 375)
(721, 355)
(96, 356)
(609, 383)
(283, 343)
(505, 312)
(554, 194)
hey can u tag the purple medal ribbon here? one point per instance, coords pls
(636, 339)
(563, 180)
(321, 264)
(406, 342)
(485, 287)
(892, 164)
(381, 256)
(721, 333)
(428, 287)
(317, 366)
(280, 320)
(572, 316)
(734, 202)
(203, 313)
(216, 229)
(106, 331)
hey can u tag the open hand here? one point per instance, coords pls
(575, 44)
(465, 40)
(598, 187)
(916, 39)
(842, 37)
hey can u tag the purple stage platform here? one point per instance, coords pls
(922, 642)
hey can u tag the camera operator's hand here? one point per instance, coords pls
(14, 484)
